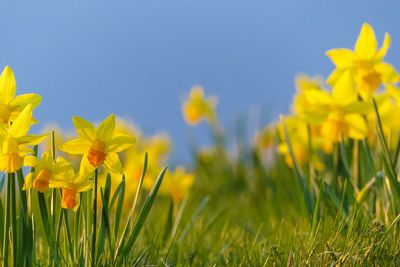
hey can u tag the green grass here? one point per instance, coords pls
(242, 211)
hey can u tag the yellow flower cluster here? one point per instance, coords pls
(325, 115)
(97, 147)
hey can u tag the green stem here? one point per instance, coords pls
(54, 191)
(94, 218)
(68, 232)
(356, 164)
(7, 222)
(14, 217)
(76, 228)
(335, 178)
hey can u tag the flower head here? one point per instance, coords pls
(365, 63)
(15, 141)
(10, 105)
(197, 107)
(48, 173)
(338, 112)
(71, 189)
(99, 146)
(177, 184)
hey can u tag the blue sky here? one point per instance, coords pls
(138, 59)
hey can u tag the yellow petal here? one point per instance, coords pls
(57, 183)
(84, 128)
(22, 123)
(85, 186)
(62, 165)
(357, 126)
(7, 85)
(334, 76)
(358, 107)
(383, 50)
(366, 44)
(318, 97)
(387, 72)
(76, 146)
(342, 57)
(85, 168)
(3, 130)
(121, 142)
(394, 92)
(106, 128)
(197, 92)
(113, 163)
(31, 139)
(344, 91)
(22, 101)
(28, 181)
(31, 161)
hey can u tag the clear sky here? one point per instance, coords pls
(138, 59)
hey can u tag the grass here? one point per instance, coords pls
(242, 211)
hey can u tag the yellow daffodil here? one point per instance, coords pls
(15, 141)
(365, 63)
(157, 147)
(298, 134)
(72, 187)
(197, 107)
(265, 138)
(339, 112)
(48, 173)
(11, 105)
(177, 184)
(99, 146)
(303, 84)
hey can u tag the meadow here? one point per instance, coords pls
(318, 187)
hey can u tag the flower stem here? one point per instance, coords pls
(7, 222)
(94, 218)
(14, 218)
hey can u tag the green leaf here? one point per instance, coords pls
(144, 212)
(394, 184)
(48, 228)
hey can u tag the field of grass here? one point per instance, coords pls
(319, 187)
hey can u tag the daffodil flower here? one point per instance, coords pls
(177, 184)
(48, 173)
(99, 146)
(303, 84)
(365, 63)
(297, 131)
(339, 112)
(71, 189)
(197, 107)
(15, 141)
(11, 105)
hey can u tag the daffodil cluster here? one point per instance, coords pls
(98, 146)
(324, 115)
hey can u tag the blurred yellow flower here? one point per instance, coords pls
(177, 184)
(303, 84)
(338, 112)
(48, 173)
(197, 107)
(299, 138)
(11, 105)
(365, 63)
(99, 146)
(266, 137)
(15, 141)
